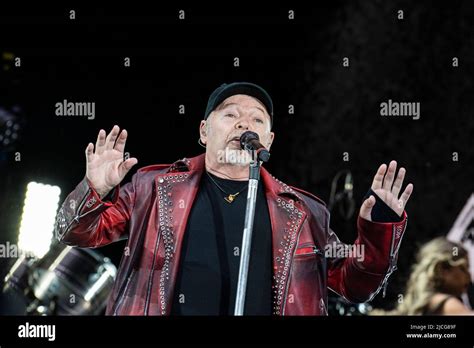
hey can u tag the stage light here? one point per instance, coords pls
(10, 127)
(37, 222)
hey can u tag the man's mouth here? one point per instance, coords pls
(235, 140)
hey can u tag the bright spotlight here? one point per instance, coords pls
(37, 221)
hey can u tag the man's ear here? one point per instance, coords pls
(202, 131)
(270, 142)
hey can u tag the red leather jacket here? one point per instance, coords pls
(152, 211)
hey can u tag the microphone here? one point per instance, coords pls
(250, 141)
(342, 198)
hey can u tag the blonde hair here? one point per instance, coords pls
(426, 278)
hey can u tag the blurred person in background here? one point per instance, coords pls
(438, 279)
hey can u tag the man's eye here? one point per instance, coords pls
(259, 120)
(230, 115)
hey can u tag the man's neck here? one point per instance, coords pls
(227, 170)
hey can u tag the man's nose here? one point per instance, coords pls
(242, 124)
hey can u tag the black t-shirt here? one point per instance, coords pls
(210, 256)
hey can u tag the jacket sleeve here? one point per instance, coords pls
(84, 220)
(360, 276)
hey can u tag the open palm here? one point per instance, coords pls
(106, 167)
(388, 190)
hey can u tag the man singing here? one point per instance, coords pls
(184, 224)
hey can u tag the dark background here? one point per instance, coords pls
(173, 62)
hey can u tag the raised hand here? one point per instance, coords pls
(105, 167)
(382, 186)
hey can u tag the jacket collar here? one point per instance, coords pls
(272, 185)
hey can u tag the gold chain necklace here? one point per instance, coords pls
(230, 196)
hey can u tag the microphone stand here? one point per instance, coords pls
(254, 178)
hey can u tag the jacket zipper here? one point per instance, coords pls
(391, 267)
(145, 223)
(291, 267)
(322, 307)
(150, 279)
(124, 292)
(77, 216)
(316, 251)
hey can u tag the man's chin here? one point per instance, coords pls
(234, 156)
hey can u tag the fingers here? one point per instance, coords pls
(110, 141)
(89, 151)
(378, 178)
(122, 139)
(366, 208)
(100, 143)
(388, 181)
(125, 166)
(406, 195)
(397, 185)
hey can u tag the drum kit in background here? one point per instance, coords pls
(66, 281)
